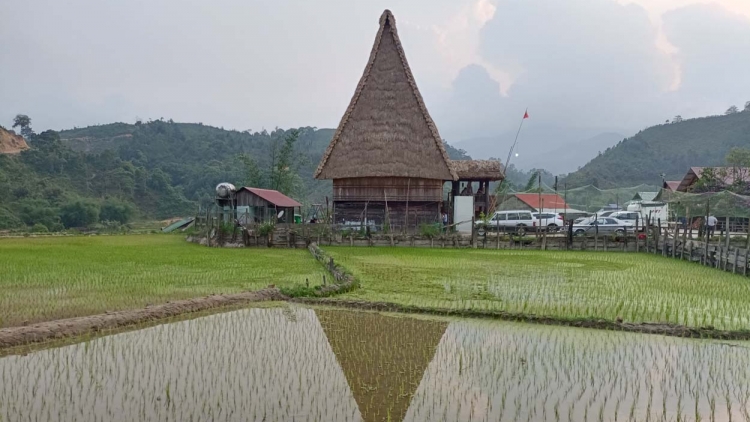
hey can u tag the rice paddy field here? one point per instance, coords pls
(567, 285)
(51, 278)
(295, 363)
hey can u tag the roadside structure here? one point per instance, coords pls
(720, 178)
(255, 205)
(474, 177)
(387, 160)
(534, 202)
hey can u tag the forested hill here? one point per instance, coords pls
(158, 169)
(669, 148)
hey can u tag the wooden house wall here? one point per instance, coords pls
(390, 189)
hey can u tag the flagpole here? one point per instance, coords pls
(510, 153)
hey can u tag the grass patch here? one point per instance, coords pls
(569, 285)
(50, 278)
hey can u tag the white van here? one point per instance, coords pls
(521, 220)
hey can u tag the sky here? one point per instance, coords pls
(612, 65)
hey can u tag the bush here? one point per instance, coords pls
(79, 213)
(265, 229)
(116, 210)
(33, 211)
(39, 228)
(429, 230)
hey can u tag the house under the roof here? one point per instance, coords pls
(546, 202)
(387, 159)
(723, 177)
(264, 205)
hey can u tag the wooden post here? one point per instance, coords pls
(744, 267)
(684, 235)
(736, 260)
(726, 231)
(406, 217)
(497, 232)
(674, 240)
(473, 233)
(596, 237)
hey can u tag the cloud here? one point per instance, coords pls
(578, 62)
(714, 56)
(474, 107)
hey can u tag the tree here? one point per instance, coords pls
(732, 110)
(738, 160)
(116, 210)
(747, 106)
(23, 122)
(79, 213)
(677, 119)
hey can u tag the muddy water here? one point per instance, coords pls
(300, 364)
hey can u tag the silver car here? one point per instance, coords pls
(602, 225)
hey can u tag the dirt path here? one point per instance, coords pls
(44, 331)
(644, 327)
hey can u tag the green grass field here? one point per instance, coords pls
(50, 278)
(635, 287)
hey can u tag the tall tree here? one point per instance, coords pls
(23, 122)
(732, 110)
(747, 106)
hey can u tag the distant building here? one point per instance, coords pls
(725, 176)
(546, 202)
(644, 196)
(671, 186)
(264, 205)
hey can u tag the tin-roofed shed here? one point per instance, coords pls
(264, 205)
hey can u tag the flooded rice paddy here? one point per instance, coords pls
(295, 363)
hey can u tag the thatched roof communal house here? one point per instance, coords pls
(387, 159)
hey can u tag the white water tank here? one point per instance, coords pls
(225, 190)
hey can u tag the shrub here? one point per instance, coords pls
(117, 210)
(429, 230)
(39, 228)
(79, 213)
(265, 229)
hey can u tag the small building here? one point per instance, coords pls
(474, 177)
(723, 177)
(264, 205)
(671, 185)
(644, 196)
(534, 202)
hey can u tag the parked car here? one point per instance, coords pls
(518, 221)
(550, 220)
(606, 225)
(630, 216)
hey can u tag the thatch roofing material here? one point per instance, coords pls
(386, 130)
(478, 169)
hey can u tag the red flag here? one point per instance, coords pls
(526, 115)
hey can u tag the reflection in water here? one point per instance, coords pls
(249, 365)
(488, 371)
(383, 357)
(296, 364)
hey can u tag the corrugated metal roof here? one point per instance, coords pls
(550, 200)
(275, 197)
(177, 225)
(645, 196)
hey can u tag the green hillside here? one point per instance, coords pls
(670, 149)
(158, 169)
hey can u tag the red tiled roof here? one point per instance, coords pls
(695, 173)
(275, 197)
(550, 200)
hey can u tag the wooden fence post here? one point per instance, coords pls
(736, 260)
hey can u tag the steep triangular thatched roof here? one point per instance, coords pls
(386, 131)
